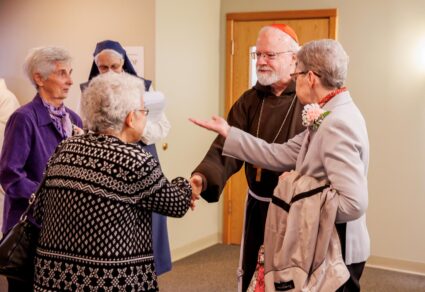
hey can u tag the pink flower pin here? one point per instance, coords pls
(313, 115)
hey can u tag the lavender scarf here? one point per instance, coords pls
(60, 119)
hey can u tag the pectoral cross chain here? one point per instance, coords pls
(258, 169)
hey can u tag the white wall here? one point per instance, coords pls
(387, 80)
(75, 25)
(187, 71)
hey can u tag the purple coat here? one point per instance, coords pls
(30, 139)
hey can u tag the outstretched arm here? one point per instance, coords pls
(245, 147)
(277, 157)
(216, 124)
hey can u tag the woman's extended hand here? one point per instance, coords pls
(216, 124)
(77, 131)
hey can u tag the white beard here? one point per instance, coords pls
(267, 78)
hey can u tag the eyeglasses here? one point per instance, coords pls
(267, 55)
(144, 111)
(295, 75)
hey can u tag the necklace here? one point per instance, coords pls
(258, 169)
(330, 95)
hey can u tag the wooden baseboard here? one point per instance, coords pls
(396, 265)
(193, 247)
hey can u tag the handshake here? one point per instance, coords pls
(196, 183)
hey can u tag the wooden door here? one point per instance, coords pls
(242, 31)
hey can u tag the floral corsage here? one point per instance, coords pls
(313, 115)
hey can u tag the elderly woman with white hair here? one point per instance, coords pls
(32, 133)
(334, 148)
(100, 191)
(108, 56)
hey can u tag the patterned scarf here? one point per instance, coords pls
(60, 119)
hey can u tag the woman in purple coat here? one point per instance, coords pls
(32, 133)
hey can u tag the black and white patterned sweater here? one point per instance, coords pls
(95, 210)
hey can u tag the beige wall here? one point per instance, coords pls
(76, 25)
(188, 73)
(187, 62)
(387, 82)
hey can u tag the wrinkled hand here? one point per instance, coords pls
(196, 184)
(77, 131)
(216, 124)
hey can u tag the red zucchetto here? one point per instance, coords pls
(286, 29)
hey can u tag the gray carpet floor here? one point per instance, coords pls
(214, 269)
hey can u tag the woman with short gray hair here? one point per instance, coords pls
(109, 100)
(110, 55)
(32, 133)
(328, 59)
(101, 189)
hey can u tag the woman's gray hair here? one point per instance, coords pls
(43, 60)
(109, 98)
(326, 58)
(110, 51)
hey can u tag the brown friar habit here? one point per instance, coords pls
(217, 169)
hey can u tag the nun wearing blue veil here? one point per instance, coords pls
(110, 55)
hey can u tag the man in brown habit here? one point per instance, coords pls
(269, 110)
